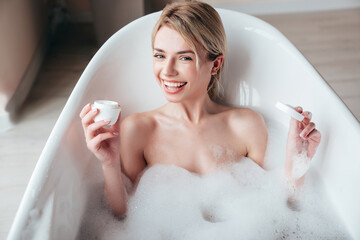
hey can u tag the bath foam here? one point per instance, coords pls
(240, 201)
(301, 165)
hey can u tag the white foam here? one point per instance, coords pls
(240, 201)
(301, 165)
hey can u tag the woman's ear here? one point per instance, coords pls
(217, 64)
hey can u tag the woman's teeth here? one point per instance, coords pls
(173, 84)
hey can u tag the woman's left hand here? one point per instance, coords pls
(303, 136)
(302, 142)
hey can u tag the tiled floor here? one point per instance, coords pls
(330, 40)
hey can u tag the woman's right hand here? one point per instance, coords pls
(104, 143)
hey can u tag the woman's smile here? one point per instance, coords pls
(173, 86)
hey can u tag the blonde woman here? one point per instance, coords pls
(189, 49)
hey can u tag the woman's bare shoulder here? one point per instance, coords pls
(244, 115)
(138, 123)
(250, 126)
(135, 132)
(247, 122)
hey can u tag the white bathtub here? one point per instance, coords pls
(263, 67)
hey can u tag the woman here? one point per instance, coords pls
(189, 49)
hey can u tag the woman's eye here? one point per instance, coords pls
(186, 58)
(158, 56)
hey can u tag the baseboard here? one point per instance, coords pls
(5, 122)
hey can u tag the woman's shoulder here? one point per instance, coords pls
(138, 127)
(244, 115)
(139, 121)
(246, 121)
(249, 126)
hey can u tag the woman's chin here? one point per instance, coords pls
(173, 99)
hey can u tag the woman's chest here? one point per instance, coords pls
(195, 150)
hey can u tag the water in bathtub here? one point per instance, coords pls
(240, 201)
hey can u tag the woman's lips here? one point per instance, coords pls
(173, 86)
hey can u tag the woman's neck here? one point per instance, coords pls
(192, 111)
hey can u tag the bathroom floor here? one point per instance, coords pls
(329, 40)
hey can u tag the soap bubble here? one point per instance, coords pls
(240, 201)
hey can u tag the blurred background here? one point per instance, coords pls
(46, 44)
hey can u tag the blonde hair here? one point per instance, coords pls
(201, 27)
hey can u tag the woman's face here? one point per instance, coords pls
(175, 67)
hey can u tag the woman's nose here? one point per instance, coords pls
(170, 68)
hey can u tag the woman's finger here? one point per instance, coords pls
(299, 109)
(85, 110)
(116, 126)
(307, 117)
(306, 131)
(315, 136)
(314, 139)
(92, 128)
(294, 124)
(94, 144)
(88, 118)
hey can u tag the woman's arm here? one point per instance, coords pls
(115, 189)
(303, 140)
(132, 136)
(134, 133)
(257, 138)
(104, 143)
(251, 129)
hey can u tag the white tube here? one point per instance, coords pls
(290, 111)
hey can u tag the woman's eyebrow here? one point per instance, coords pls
(186, 51)
(180, 52)
(159, 50)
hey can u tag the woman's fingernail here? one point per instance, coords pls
(115, 133)
(94, 110)
(309, 115)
